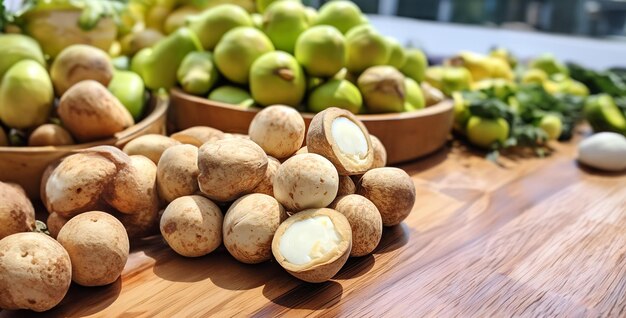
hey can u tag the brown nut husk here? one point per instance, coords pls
(77, 63)
(198, 135)
(279, 130)
(230, 168)
(134, 187)
(346, 186)
(267, 184)
(249, 227)
(77, 183)
(192, 226)
(327, 265)
(54, 223)
(90, 112)
(365, 221)
(177, 172)
(151, 146)
(323, 138)
(50, 135)
(306, 181)
(35, 272)
(143, 223)
(16, 211)
(391, 190)
(98, 247)
(380, 153)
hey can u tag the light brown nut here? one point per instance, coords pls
(192, 226)
(90, 112)
(98, 247)
(249, 226)
(35, 272)
(365, 221)
(134, 187)
(198, 135)
(151, 146)
(230, 168)
(279, 130)
(391, 190)
(177, 172)
(77, 63)
(267, 184)
(50, 135)
(306, 181)
(16, 211)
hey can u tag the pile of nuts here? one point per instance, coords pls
(262, 195)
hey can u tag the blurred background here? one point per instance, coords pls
(597, 18)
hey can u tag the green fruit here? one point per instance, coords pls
(26, 95)
(17, 47)
(283, 22)
(383, 89)
(343, 15)
(262, 5)
(231, 95)
(365, 47)
(336, 93)
(415, 65)
(128, 87)
(603, 115)
(178, 17)
(397, 56)
(321, 50)
(57, 28)
(139, 61)
(197, 73)
(534, 76)
(500, 88)
(133, 42)
(248, 5)
(237, 51)
(414, 96)
(313, 82)
(311, 14)
(213, 23)
(277, 78)
(483, 132)
(121, 62)
(161, 66)
(461, 112)
(449, 79)
(549, 64)
(552, 125)
(257, 20)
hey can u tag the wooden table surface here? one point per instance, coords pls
(529, 237)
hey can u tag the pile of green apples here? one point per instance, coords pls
(285, 53)
(76, 97)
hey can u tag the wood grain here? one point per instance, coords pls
(529, 237)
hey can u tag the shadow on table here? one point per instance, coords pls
(597, 172)
(92, 300)
(218, 266)
(302, 296)
(393, 238)
(356, 267)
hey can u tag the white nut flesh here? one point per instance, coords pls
(349, 138)
(309, 239)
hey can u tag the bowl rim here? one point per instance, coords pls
(160, 108)
(441, 107)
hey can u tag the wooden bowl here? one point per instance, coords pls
(406, 136)
(25, 165)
